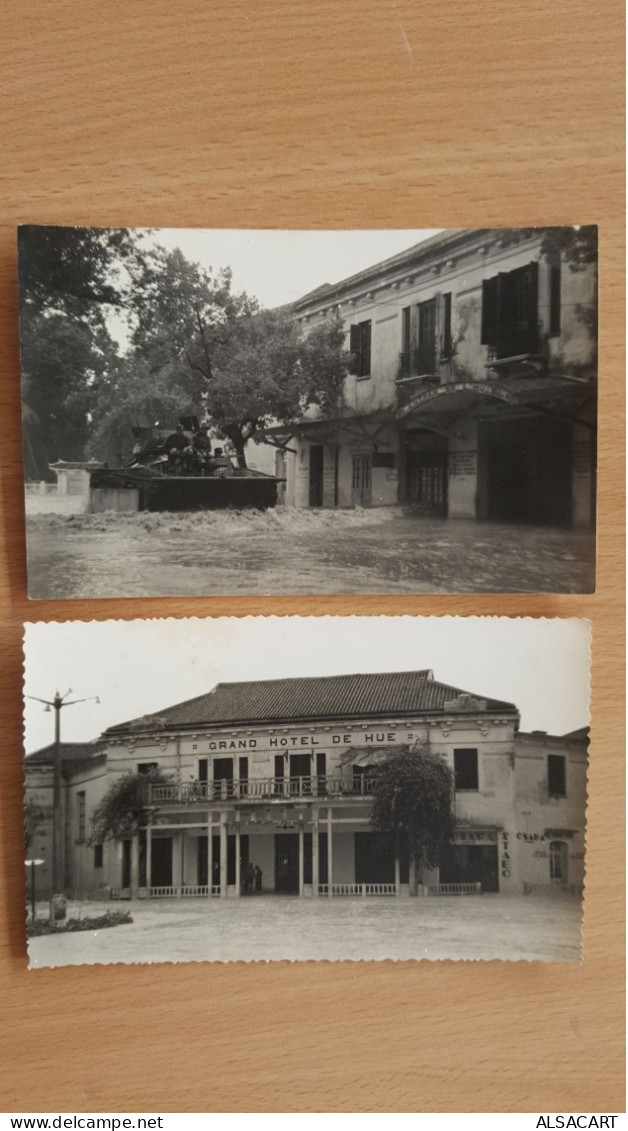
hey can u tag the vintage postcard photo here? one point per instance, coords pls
(305, 788)
(215, 412)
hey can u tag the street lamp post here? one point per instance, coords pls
(57, 900)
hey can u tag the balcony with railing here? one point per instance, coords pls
(418, 369)
(514, 341)
(254, 790)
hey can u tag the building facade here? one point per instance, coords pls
(277, 774)
(473, 385)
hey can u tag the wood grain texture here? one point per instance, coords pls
(279, 114)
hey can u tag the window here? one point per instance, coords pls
(558, 861)
(360, 346)
(361, 473)
(418, 339)
(556, 776)
(80, 817)
(147, 767)
(510, 312)
(555, 299)
(98, 854)
(466, 769)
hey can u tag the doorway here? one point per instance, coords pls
(427, 471)
(300, 774)
(529, 474)
(126, 863)
(287, 863)
(161, 862)
(317, 459)
(361, 481)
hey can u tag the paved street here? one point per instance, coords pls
(530, 928)
(286, 552)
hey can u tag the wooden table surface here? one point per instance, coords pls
(294, 114)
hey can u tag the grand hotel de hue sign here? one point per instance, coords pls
(303, 742)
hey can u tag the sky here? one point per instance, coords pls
(280, 266)
(137, 667)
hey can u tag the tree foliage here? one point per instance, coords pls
(125, 807)
(199, 346)
(64, 364)
(412, 804)
(577, 245)
(34, 816)
(74, 270)
(195, 347)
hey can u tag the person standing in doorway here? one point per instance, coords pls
(258, 880)
(249, 880)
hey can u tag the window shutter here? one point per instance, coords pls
(555, 299)
(366, 354)
(354, 347)
(489, 309)
(532, 273)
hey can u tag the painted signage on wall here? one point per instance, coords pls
(304, 742)
(505, 860)
(463, 463)
(476, 387)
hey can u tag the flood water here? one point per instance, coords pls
(298, 552)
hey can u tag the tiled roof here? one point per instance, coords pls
(327, 697)
(70, 752)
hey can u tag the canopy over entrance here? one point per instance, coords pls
(541, 394)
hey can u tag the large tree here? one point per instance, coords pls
(76, 271)
(412, 805)
(125, 808)
(71, 280)
(65, 362)
(218, 354)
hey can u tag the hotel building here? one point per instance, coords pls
(278, 774)
(473, 385)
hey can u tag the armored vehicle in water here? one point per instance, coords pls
(177, 470)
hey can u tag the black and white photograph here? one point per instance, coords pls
(305, 788)
(259, 412)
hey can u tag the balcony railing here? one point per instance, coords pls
(514, 340)
(262, 789)
(419, 362)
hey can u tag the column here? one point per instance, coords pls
(397, 877)
(301, 854)
(135, 865)
(412, 874)
(149, 858)
(463, 469)
(182, 862)
(330, 863)
(237, 861)
(223, 855)
(210, 855)
(315, 852)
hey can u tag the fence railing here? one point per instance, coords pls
(552, 889)
(454, 889)
(358, 889)
(263, 789)
(181, 891)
